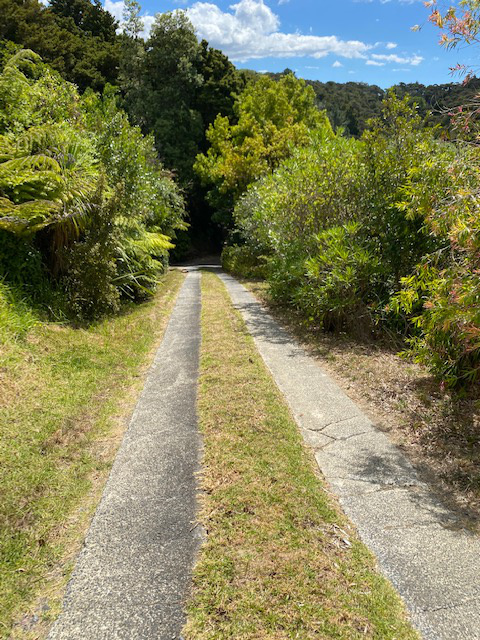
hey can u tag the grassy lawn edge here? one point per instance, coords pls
(280, 560)
(68, 396)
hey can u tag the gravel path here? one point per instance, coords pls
(133, 572)
(421, 547)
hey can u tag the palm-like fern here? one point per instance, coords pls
(77, 165)
(47, 169)
(47, 176)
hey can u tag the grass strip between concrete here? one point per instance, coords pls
(280, 560)
(65, 398)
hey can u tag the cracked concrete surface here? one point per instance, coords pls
(420, 545)
(132, 575)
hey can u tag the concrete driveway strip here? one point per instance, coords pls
(421, 547)
(134, 570)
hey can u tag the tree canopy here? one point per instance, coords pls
(77, 38)
(271, 119)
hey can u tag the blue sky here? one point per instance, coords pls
(341, 40)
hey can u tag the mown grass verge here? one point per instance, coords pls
(280, 560)
(65, 394)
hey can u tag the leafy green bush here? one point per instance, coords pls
(441, 299)
(343, 279)
(243, 261)
(382, 229)
(318, 186)
(447, 322)
(57, 153)
(405, 175)
(149, 207)
(91, 269)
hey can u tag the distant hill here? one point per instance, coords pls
(351, 104)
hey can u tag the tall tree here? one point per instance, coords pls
(272, 118)
(133, 51)
(132, 23)
(77, 38)
(220, 87)
(170, 80)
(89, 16)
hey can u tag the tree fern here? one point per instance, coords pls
(74, 164)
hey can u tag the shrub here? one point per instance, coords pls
(57, 151)
(91, 269)
(243, 261)
(447, 336)
(149, 207)
(441, 299)
(343, 279)
(318, 186)
(344, 224)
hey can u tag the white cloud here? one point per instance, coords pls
(115, 8)
(414, 60)
(147, 25)
(250, 30)
(337, 64)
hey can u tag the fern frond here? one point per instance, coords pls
(27, 217)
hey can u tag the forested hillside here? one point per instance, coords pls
(352, 104)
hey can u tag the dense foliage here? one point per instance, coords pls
(82, 193)
(381, 231)
(272, 119)
(75, 37)
(350, 105)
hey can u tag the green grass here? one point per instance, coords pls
(280, 559)
(64, 397)
(16, 317)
